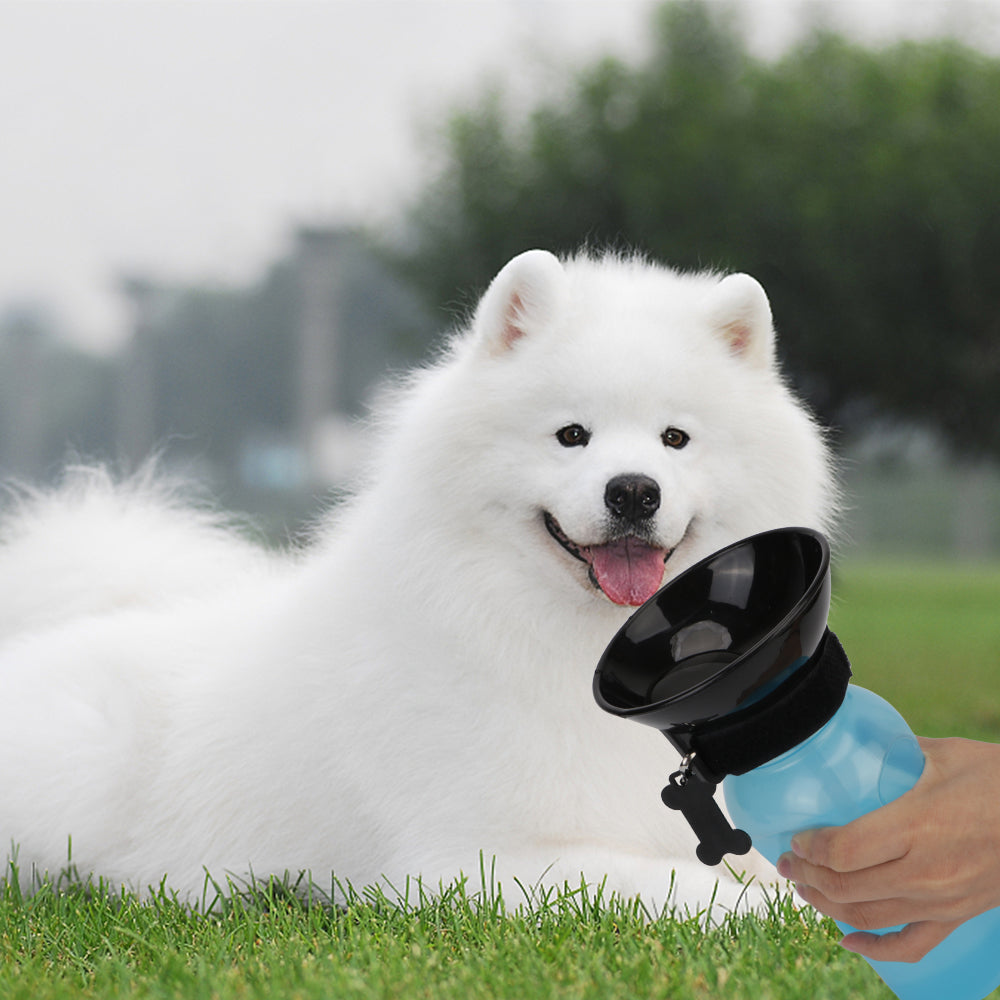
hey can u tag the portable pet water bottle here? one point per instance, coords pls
(734, 663)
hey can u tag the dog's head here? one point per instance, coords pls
(632, 418)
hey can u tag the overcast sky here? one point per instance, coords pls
(185, 138)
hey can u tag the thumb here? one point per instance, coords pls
(910, 944)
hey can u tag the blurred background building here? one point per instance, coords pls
(849, 163)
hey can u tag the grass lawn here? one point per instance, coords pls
(926, 638)
(462, 947)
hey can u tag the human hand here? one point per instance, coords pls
(929, 860)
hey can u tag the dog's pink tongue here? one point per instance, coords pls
(628, 571)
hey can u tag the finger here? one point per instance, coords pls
(876, 838)
(910, 944)
(868, 916)
(880, 883)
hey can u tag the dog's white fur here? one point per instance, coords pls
(416, 688)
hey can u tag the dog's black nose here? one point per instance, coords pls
(632, 497)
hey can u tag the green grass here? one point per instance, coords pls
(463, 946)
(925, 637)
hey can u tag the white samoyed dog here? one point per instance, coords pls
(413, 694)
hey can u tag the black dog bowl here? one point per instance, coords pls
(722, 635)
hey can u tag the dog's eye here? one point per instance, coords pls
(573, 436)
(674, 437)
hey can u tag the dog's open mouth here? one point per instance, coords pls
(628, 570)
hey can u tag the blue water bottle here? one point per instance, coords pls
(733, 662)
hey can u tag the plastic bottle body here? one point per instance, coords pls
(863, 758)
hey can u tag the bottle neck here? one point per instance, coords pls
(783, 719)
(826, 732)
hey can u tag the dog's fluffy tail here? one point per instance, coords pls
(93, 545)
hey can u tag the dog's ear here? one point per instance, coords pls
(527, 295)
(741, 314)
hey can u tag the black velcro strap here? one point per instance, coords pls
(790, 714)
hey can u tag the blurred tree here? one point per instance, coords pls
(226, 363)
(223, 363)
(219, 371)
(46, 387)
(860, 186)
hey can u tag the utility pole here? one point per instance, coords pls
(136, 419)
(318, 258)
(22, 408)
